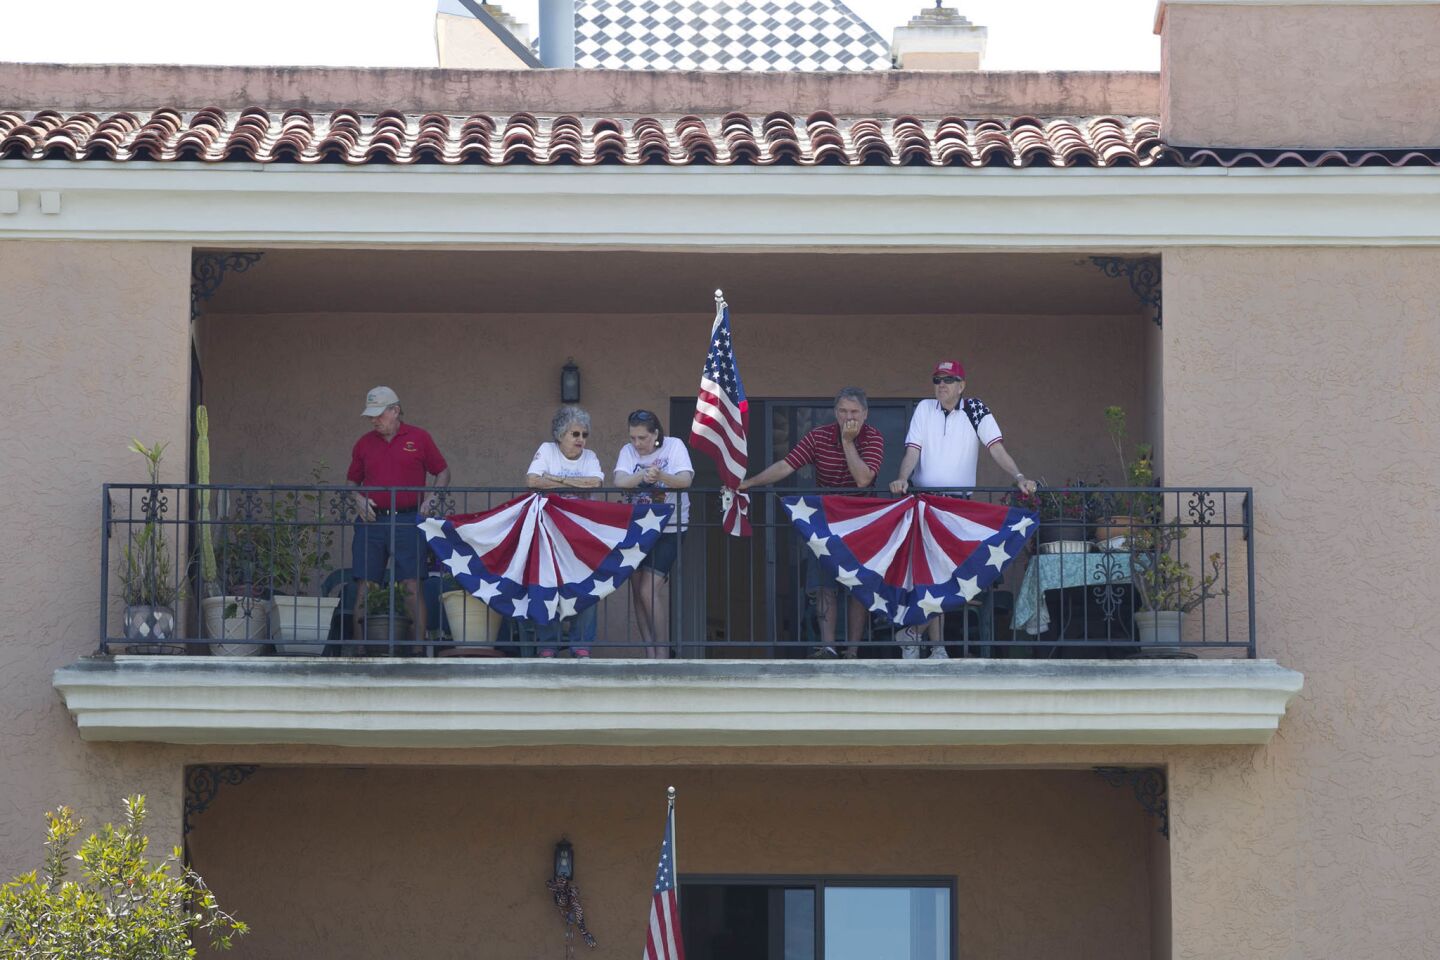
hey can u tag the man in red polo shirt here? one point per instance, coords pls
(847, 455)
(392, 454)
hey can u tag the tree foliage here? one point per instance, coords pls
(120, 906)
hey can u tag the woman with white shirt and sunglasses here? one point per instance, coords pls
(559, 465)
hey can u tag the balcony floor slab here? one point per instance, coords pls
(454, 703)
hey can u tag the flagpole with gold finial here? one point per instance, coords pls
(674, 839)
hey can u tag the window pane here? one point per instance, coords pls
(887, 923)
(800, 924)
(726, 921)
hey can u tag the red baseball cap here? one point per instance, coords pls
(949, 368)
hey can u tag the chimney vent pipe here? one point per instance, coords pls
(557, 33)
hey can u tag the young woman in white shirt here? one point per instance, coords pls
(651, 465)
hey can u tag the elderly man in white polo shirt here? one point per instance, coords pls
(942, 451)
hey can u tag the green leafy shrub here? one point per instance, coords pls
(378, 600)
(1136, 469)
(276, 542)
(121, 906)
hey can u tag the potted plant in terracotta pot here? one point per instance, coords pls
(471, 621)
(1165, 585)
(1130, 511)
(1065, 514)
(381, 625)
(147, 579)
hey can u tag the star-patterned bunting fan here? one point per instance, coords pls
(915, 556)
(545, 558)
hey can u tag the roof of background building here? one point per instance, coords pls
(733, 35)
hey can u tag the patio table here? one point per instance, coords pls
(1056, 571)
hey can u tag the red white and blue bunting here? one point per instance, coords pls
(545, 558)
(909, 558)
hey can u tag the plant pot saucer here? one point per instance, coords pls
(1161, 655)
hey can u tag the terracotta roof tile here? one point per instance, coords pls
(1272, 158)
(254, 135)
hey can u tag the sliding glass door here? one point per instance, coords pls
(818, 918)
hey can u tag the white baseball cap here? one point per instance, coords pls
(377, 400)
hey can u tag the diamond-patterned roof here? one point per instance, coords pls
(725, 35)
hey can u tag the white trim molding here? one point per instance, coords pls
(720, 208)
(450, 703)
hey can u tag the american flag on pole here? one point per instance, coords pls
(662, 937)
(722, 420)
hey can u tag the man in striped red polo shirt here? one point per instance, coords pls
(846, 454)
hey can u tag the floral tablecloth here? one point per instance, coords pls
(1055, 571)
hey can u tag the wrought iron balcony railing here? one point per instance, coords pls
(239, 570)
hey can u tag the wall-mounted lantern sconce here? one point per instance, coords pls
(570, 382)
(564, 860)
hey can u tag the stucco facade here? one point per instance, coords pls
(1294, 358)
(1336, 352)
(1044, 863)
(1321, 76)
(273, 412)
(95, 340)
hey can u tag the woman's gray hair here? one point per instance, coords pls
(853, 393)
(565, 416)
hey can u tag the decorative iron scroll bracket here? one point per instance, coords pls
(1150, 788)
(202, 783)
(208, 270)
(1143, 275)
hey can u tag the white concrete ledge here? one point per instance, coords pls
(450, 703)
(239, 206)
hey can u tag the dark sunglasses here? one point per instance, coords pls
(939, 380)
(579, 433)
(642, 416)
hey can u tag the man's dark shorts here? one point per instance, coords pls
(372, 546)
(816, 576)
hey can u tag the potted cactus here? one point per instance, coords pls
(230, 604)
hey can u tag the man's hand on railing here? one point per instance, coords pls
(364, 507)
(900, 487)
(427, 506)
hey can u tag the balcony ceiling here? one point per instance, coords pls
(641, 282)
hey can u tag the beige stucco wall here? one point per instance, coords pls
(351, 862)
(584, 92)
(1321, 843)
(1301, 75)
(466, 43)
(93, 351)
(486, 385)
